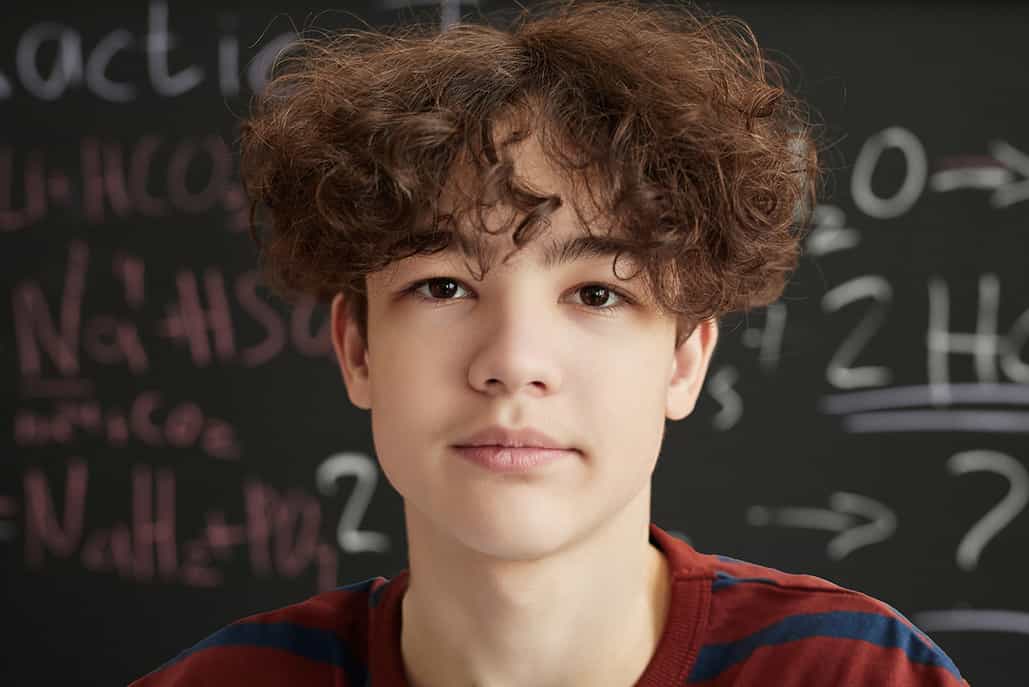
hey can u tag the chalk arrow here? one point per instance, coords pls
(860, 521)
(1000, 171)
(1012, 192)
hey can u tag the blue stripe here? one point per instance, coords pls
(374, 597)
(362, 586)
(878, 629)
(730, 559)
(723, 580)
(317, 645)
(365, 585)
(924, 636)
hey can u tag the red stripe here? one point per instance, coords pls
(244, 666)
(831, 661)
(741, 610)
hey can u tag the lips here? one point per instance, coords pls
(506, 459)
(520, 438)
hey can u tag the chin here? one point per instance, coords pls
(512, 541)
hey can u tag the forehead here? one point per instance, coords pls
(474, 225)
(559, 246)
(574, 226)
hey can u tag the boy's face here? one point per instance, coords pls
(529, 346)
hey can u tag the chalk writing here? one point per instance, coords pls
(882, 522)
(78, 65)
(720, 387)
(279, 533)
(203, 318)
(153, 176)
(973, 620)
(859, 521)
(366, 472)
(149, 419)
(1003, 512)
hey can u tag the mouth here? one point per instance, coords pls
(512, 459)
(509, 437)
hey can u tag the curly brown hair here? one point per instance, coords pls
(700, 163)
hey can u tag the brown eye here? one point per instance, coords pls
(442, 288)
(436, 289)
(595, 295)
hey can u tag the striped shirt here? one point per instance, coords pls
(729, 622)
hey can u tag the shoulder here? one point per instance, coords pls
(322, 640)
(771, 627)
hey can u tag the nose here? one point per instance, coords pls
(516, 348)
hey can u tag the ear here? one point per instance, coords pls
(689, 369)
(351, 353)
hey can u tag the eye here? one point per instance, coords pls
(593, 296)
(438, 288)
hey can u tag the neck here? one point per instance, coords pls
(588, 613)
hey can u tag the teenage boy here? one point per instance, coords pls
(527, 238)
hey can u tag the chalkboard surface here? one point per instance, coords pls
(178, 447)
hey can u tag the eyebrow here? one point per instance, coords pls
(556, 254)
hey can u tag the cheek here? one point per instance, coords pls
(410, 403)
(403, 384)
(635, 372)
(626, 402)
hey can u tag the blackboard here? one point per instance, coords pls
(178, 447)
